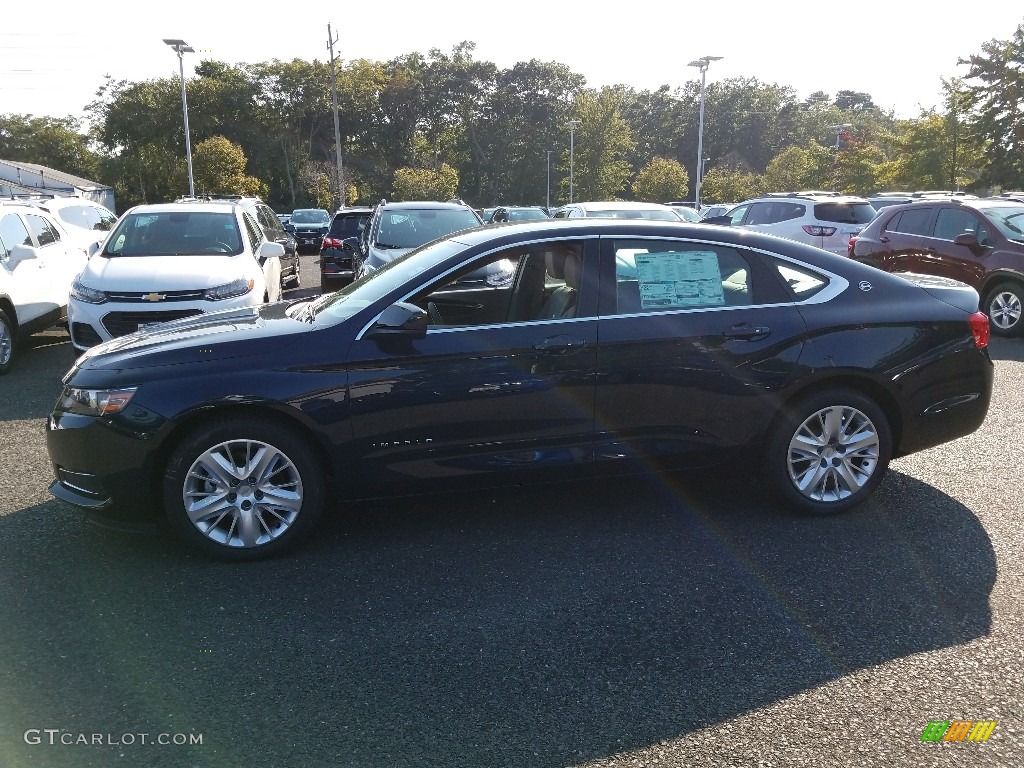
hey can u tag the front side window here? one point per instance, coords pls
(175, 233)
(736, 214)
(951, 222)
(252, 229)
(12, 233)
(663, 276)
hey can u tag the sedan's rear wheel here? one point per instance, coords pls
(1003, 307)
(243, 489)
(830, 451)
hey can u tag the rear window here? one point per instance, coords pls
(844, 213)
(348, 226)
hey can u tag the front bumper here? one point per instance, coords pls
(92, 324)
(106, 466)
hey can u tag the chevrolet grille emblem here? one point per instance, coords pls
(154, 296)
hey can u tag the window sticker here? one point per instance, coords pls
(674, 279)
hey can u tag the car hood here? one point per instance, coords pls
(164, 273)
(215, 336)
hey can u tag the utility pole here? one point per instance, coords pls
(331, 40)
(572, 154)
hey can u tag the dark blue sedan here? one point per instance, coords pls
(618, 346)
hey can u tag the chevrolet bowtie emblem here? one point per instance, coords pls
(154, 296)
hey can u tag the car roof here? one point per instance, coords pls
(618, 205)
(420, 205)
(188, 207)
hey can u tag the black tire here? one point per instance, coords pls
(1003, 306)
(276, 520)
(852, 476)
(7, 344)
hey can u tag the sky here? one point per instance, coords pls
(54, 56)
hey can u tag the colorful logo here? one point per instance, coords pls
(958, 730)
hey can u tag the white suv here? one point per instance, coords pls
(823, 219)
(87, 222)
(38, 263)
(166, 262)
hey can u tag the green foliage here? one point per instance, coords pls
(728, 185)
(993, 92)
(54, 142)
(218, 167)
(426, 184)
(603, 140)
(661, 180)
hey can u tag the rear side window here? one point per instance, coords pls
(913, 221)
(42, 229)
(844, 213)
(661, 276)
(12, 233)
(802, 283)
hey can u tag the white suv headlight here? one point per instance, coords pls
(85, 294)
(238, 287)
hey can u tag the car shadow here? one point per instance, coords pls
(47, 355)
(539, 626)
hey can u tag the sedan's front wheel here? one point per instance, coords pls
(243, 489)
(829, 451)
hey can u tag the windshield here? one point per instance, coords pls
(1009, 221)
(411, 228)
(654, 214)
(523, 214)
(375, 285)
(310, 217)
(175, 233)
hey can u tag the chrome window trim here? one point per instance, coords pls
(837, 284)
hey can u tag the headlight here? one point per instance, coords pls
(95, 402)
(86, 294)
(238, 287)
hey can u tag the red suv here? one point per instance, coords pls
(979, 242)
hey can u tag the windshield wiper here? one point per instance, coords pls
(387, 245)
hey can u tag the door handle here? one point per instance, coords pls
(559, 345)
(747, 332)
(883, 239)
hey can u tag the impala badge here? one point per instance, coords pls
(154, 296)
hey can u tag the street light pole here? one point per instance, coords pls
(548, 206)
(181, 48)
(337, 129)
(701, 64)
(572, 153)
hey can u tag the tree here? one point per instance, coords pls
(797, 168)
(57, 143)
(602, 142)
(661, 180)
(426, 184)
(728, 185)
(994, 93)
(218, 167)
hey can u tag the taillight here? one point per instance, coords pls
(331, 242)
(816, 231)
(979, 329)
(849, 246)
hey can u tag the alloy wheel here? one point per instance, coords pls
(833, 453)
(242, 493)
(1005, 309)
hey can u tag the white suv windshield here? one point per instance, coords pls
(176, 233)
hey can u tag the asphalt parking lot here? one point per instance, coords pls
(661, 621)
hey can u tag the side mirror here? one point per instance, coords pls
(94, 248)
(970, 241)
(721, 221)
(401, 319)
(350, 244)
(20, 253)
(269, 251)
